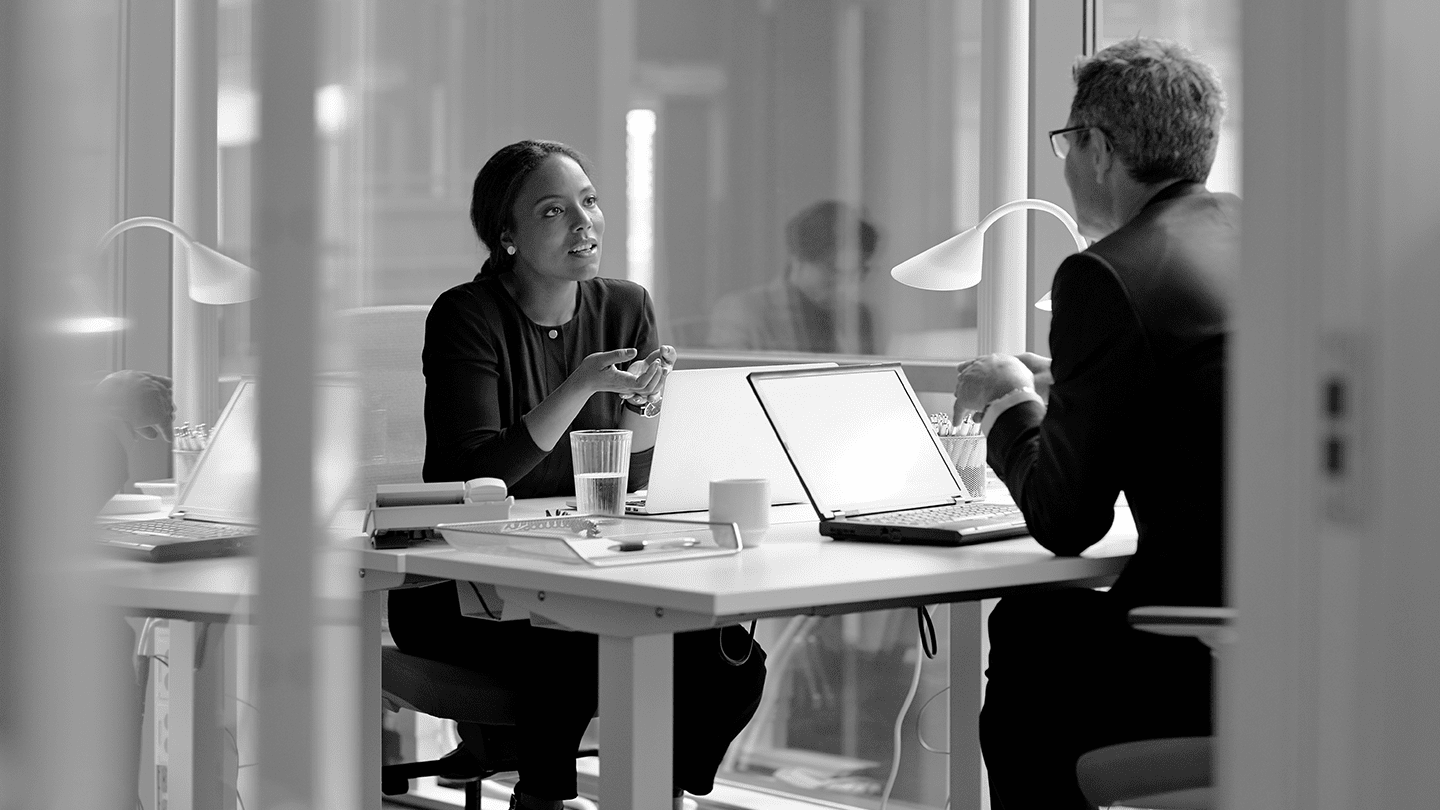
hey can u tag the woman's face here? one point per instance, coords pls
(557, 223)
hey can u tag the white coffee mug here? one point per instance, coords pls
(744, 502)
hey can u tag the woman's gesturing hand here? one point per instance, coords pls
(603, 371)
(650, 374)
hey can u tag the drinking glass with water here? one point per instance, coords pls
(602, 469)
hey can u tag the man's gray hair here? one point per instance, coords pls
(1159, 106)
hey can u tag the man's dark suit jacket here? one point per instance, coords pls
(1138, 400)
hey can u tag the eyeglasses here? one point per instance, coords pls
(1060, 144)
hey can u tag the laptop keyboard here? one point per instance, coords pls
(936, 514)
(180, 529)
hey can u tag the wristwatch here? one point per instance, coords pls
(650, 409)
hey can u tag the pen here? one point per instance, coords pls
(644, 545)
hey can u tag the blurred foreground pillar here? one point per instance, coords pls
(59, 692)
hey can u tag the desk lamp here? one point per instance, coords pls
(955, 263)
(213, 278)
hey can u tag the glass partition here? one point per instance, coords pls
(762, 165)
(777, 159)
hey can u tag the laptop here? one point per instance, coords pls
(711, 428)
(862, 446)
(215, 515)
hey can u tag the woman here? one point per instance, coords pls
(533, 347)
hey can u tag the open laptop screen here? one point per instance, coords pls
(858, 438)
(712, 428)
(224, 482)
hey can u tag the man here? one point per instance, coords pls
(801, 310)
(1136, 403)
(128, 406)
(131, 406)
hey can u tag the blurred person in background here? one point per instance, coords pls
(131, 407)
(803, 309)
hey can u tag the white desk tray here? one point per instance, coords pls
(600, 540)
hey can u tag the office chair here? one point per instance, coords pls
(453, 693)
(387, 342)
(1175, 773)
(450, 692)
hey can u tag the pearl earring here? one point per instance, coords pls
(510, 249)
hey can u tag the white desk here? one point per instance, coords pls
(206, 595)
(635, 610)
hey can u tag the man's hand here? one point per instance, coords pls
(987, 378)
(1039, 365)
(140, 401)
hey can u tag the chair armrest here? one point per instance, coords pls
(1212, 625)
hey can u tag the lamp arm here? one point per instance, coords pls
(140, 222)
(1038, 205)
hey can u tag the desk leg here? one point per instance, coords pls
(967, 667)
(370, 712)
(203, 766)
(636, 721)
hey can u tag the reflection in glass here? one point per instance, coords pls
(804, 308)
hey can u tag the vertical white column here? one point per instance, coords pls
(1061, 30)
(1004, 165)
(195, 342)
(145, 153)
(203, 764)
(615, 24)
(286, 245)
(637, 702)
(59, 689)
(849, 161)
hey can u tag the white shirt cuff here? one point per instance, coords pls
(1004, 403)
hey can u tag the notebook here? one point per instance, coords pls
(215, 514)
(861, 444)
(710, 428)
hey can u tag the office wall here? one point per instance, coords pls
(1329, 696)
(454, 83)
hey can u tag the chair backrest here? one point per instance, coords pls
(387, 342)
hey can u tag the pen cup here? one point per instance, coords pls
(602, 469)
(744, 502)
(967, 453)
(184, 461)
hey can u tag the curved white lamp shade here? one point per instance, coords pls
(214, 277)
(955, 263)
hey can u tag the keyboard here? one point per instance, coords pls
(937, 514)
(180, 529)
